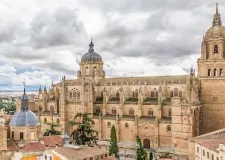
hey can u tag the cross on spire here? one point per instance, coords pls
(217, 19)
(24, 85)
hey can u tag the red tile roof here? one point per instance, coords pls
(212, 144)
(11, 146)
(81, 153)
(33, 147)
(52, 141)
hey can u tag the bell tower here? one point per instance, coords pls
(211, 66)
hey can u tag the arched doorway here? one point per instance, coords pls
(146, 143)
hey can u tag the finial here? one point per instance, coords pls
(91, 46)
(217, 6)
(217, 19)
(40, 90)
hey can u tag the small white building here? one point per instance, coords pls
(210, 146)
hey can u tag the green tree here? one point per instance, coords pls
(52, 131)
(165, 155)
(113, 148)
(141, 153)
(151, 156)
(84, 134)
(9, 108)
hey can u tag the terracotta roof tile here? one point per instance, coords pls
(212, 144)
(81, 153)
(52, 141)
(33, 147)
(11, 146)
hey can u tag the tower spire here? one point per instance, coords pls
(91, 46)
(217, 18)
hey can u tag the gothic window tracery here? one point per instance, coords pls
(74, 94)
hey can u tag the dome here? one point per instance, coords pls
(91, 55)
(216, 32)
(24, 118)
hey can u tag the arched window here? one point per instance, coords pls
(216, 49)
(45, 120)
(58, 121)
(75, 94)
(180, 93)
(215, 73)
(131, 111)
(95, 68)
(109, 124)
(114, 111)
(168, 128)
(152, 94)
(126, 125)
(150, 113)
(176, 92)
(209, 72)
(170, 113)
(221, 72)
(171, 93)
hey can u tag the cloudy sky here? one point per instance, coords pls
(40, 41)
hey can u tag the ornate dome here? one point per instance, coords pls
(91, 55)
(24, 117)
(217, 30)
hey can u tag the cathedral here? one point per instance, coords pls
(165, 111)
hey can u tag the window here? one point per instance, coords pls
(207, 154)
(221, 72)
(168, 128)
(209, 72)
(176, 92)
(58, 121)
(197, 149)
(215, 73)
(97, 110)
(74, 94)
(114, 111)
(216, 49)
(156, 94)
(50, 158)
(21, 135)
(150, 113)
(212, 156)
(152, 94)
(203, 152)
(45, 120)
(170, 113)
(12, 134)
(131, 111)
(109, 124)
(126, 125)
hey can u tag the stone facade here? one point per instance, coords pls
(164, 111)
